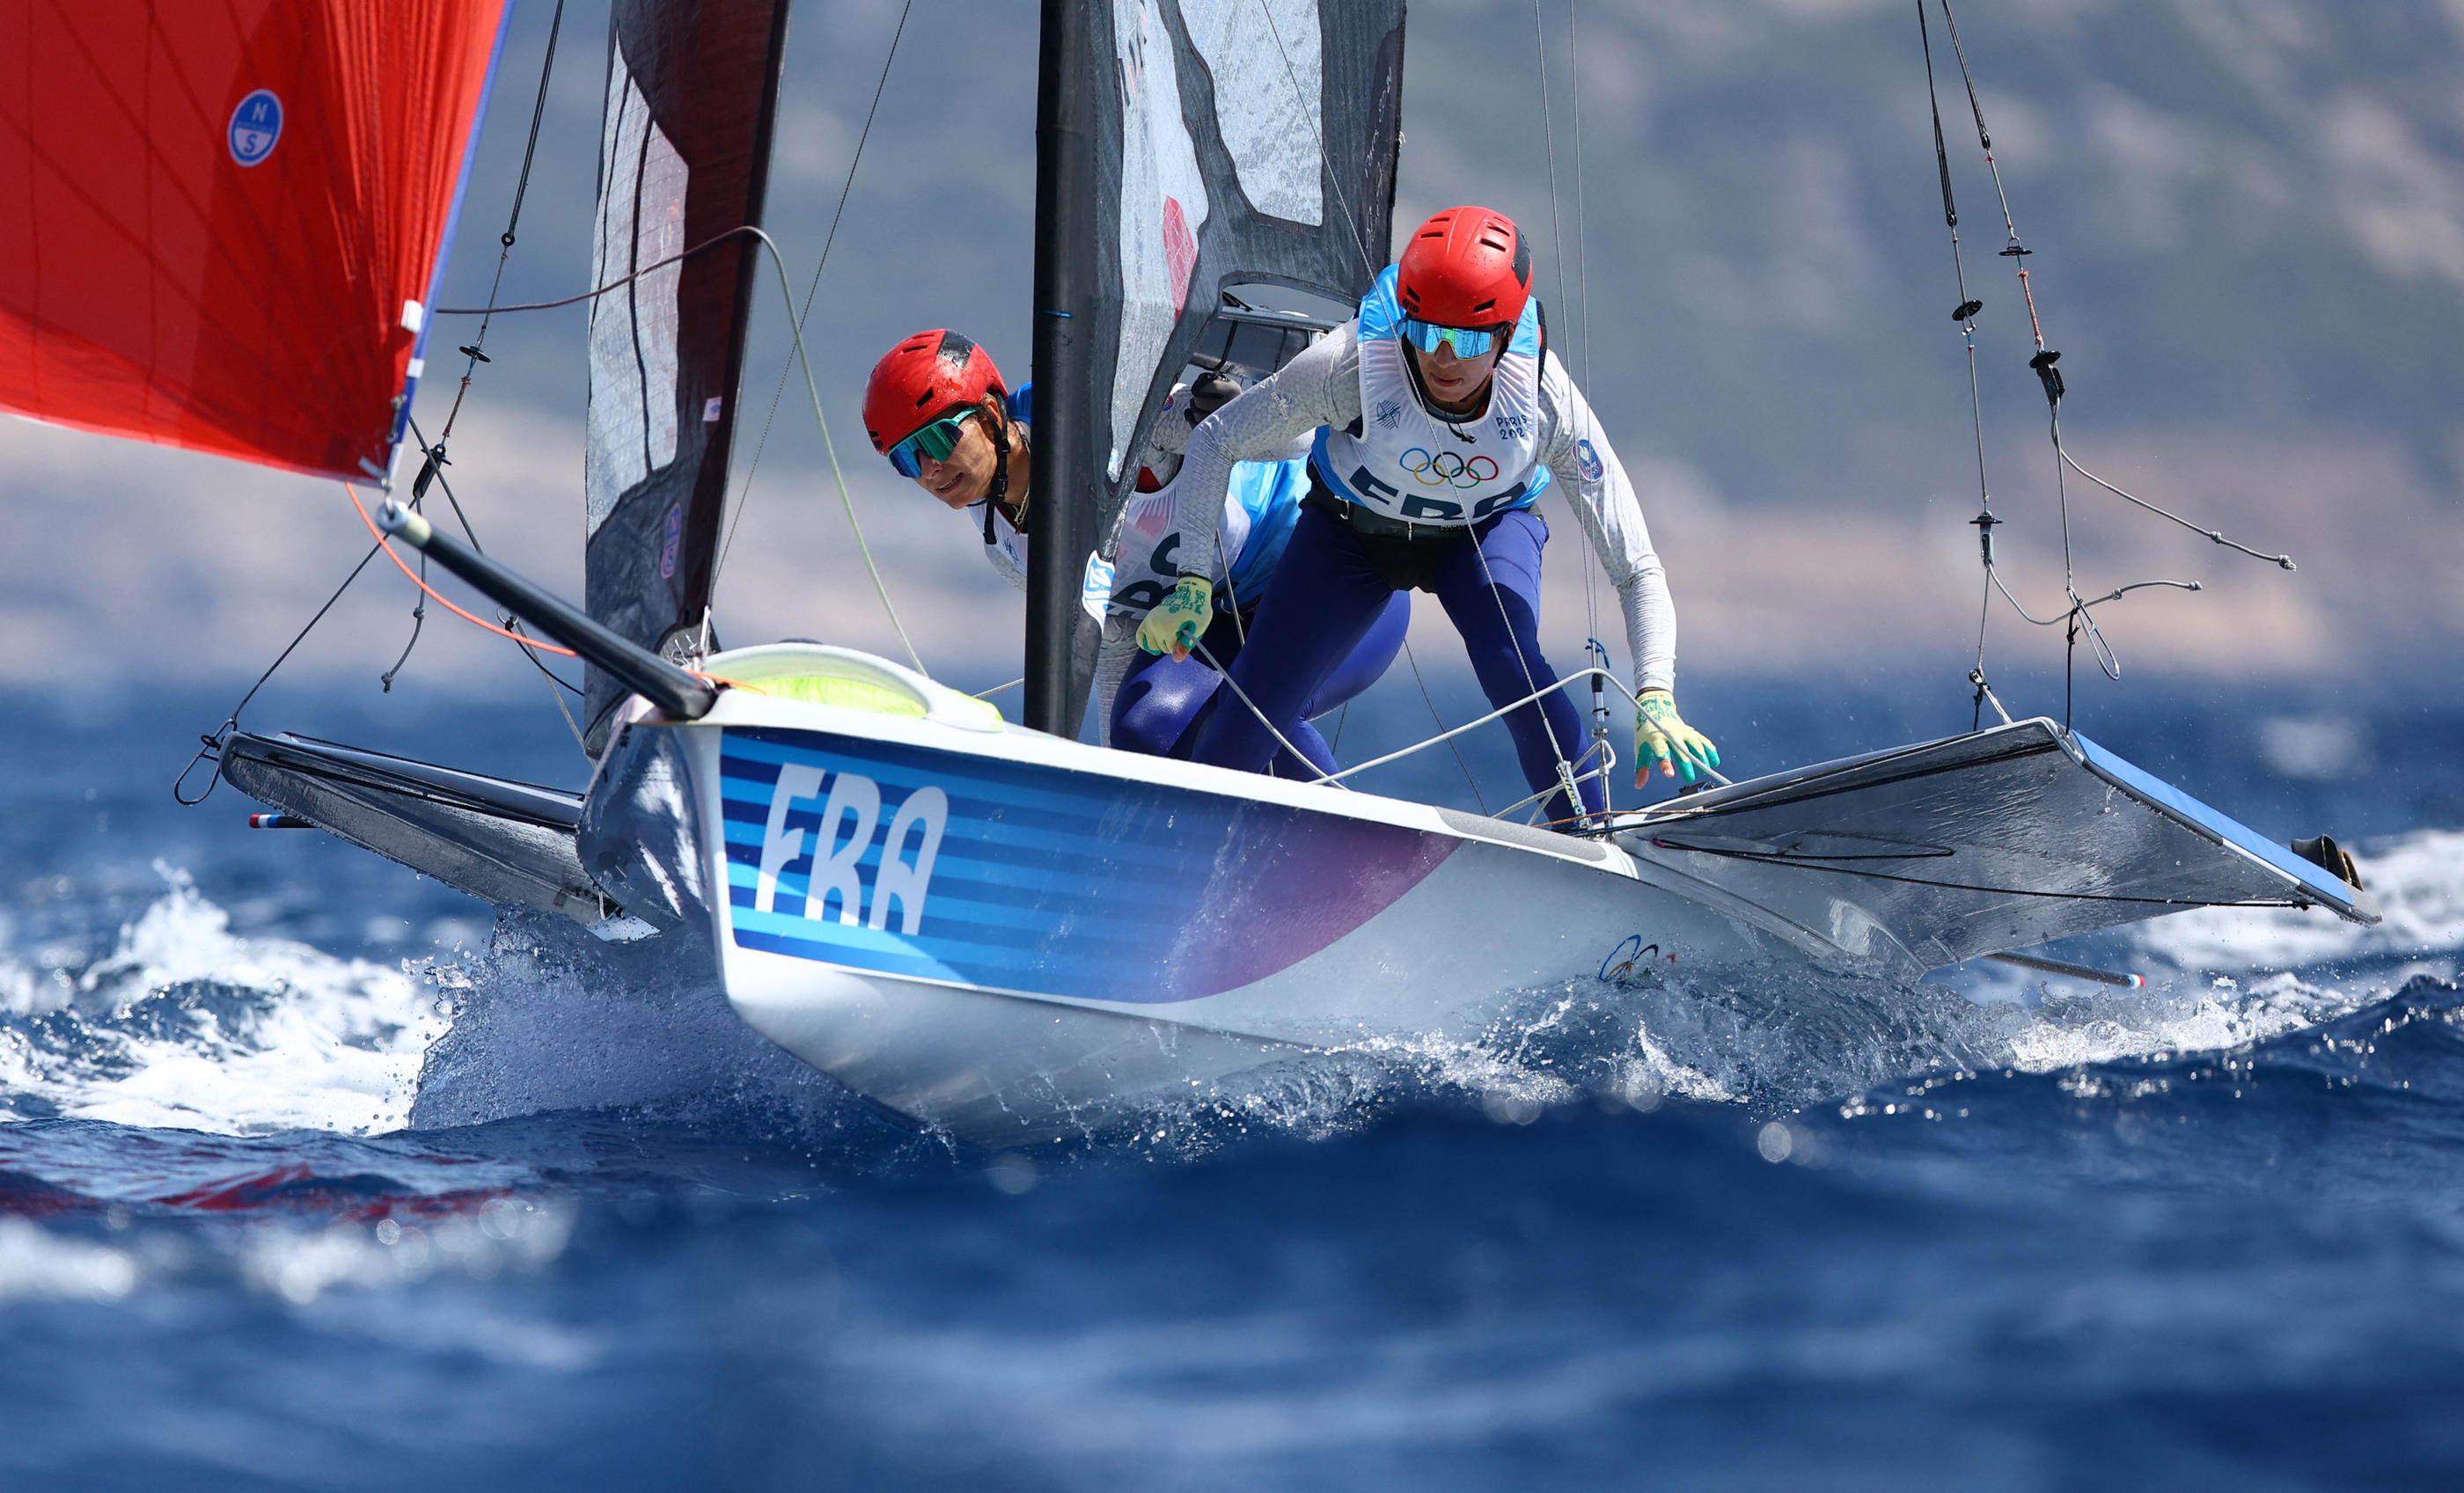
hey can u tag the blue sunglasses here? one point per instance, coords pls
(933, 443)
(1470, 342)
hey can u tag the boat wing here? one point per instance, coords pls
(499, 840)
(1930, 854)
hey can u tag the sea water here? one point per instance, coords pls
(314, 1175)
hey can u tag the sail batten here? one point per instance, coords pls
(228, 220)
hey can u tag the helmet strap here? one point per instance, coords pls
(997, 495)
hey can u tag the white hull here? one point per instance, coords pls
(1010, 934)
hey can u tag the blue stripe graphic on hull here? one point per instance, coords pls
(937, 865)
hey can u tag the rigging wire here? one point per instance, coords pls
(558, 689)
(1597, 652)
(1583, 284)
(744, 495)
(212, 750)
(804, 359)
(434, 460)
(1443, 733)
(2079, 620)
(438, 597)
(476, 353)
(433, 466)
(1310, 107)
(1965, 314)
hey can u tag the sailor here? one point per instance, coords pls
(1436, 417)
(937, 408)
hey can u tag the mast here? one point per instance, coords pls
(1182, 146)
(1059, 490)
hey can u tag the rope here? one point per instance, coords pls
(445, 486)
(214, 743)
(476, 355)
(480, 623)
(2283, 560)
(2077, 619)
(829, 447)
(1497, 594)
(477, 352)
(1502, 710)
(1444, 735)
(804, 359)
(1234, 685)
(616, 284)
(744, 495)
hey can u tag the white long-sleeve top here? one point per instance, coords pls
(1320, 386)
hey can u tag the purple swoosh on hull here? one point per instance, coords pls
(1285, 885)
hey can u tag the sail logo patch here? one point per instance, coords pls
(1179, 250)
(674, 542)
(818, 852)
(255, 127)
(1587, 461)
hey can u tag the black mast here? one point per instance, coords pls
(1059, 486)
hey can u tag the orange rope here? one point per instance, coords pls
(477, 622)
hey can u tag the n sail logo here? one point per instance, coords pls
(822, 861)
(255, 127)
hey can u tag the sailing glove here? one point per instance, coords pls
(1663, 738)
(1176, 622)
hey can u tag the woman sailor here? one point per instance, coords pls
(936, 407)
(1439, 419)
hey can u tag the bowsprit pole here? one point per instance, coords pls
(1064, 266)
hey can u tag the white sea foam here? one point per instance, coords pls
(2419, 882)
(187, 1026)
(2222, 1015)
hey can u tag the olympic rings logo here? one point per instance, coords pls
(1446, 469)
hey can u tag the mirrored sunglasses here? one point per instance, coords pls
(933, 443)
(1470, 342)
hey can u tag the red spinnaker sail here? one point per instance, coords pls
(224, 219)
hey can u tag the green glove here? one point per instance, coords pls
(1661, 737)
(1179, 620)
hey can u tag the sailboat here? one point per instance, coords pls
(985, 925)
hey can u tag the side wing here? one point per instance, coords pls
(1930, 854)
(499, 840)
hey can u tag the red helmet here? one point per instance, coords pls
(920, 379)
(1465, 267)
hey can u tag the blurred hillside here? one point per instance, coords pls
(2248, 218)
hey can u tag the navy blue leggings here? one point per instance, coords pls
(1163, 706)
(1328, 590)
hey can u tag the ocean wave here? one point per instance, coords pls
(2419, 882)
(187, 1026)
